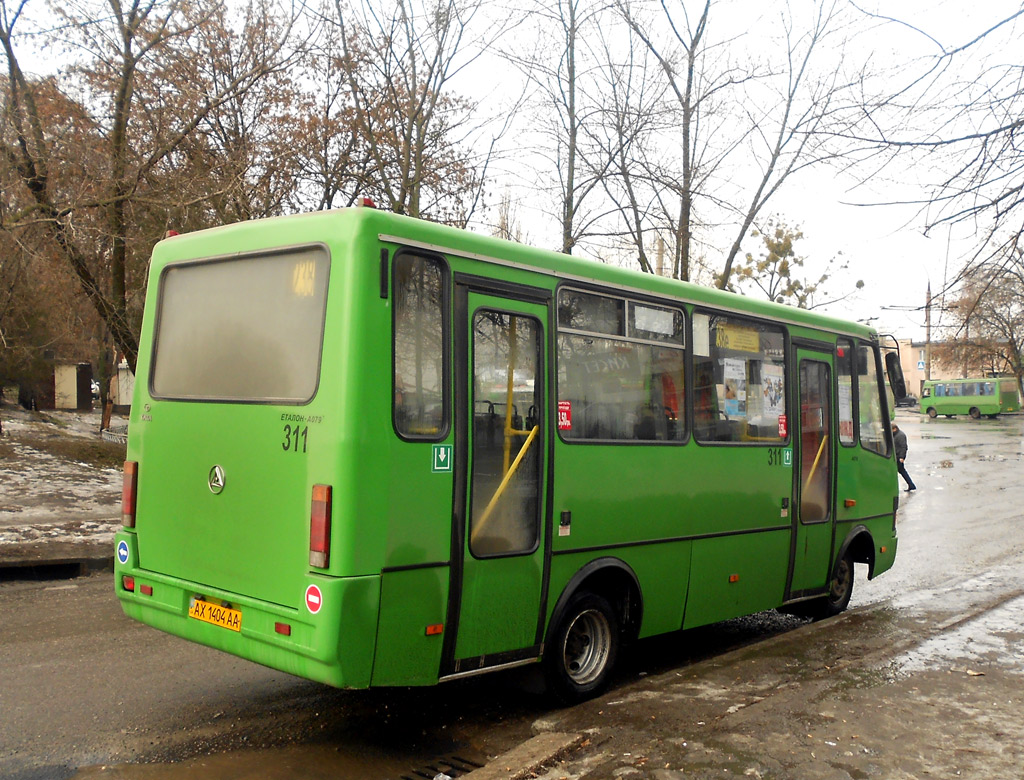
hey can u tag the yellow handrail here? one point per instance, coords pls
(485, 516)
(814, 466)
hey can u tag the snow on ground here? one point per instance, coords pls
(47, 498)
(73, 532)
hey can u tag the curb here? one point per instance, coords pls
(54, 559)
(56, 567)
(524, 760)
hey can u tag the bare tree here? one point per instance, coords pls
(960, 114)
(631, 119)
(399, 57)
(88, 217)
(745, 129)
(563, 62)
(243, 157)
(335, 166)
(987, 331)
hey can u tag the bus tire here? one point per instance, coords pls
(840, 588)
(932, 413)
(975, 413)
(579, 657)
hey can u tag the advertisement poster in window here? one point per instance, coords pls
(735, 375)
(845, 413)
(773, 389)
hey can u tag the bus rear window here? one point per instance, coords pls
(242, 329)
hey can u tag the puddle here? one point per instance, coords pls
(309, 762)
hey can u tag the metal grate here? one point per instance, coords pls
(117, 434)
(449, 766)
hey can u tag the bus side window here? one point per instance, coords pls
(844, 369)
(739, 380)
(621, 366)
(870, 392)
(421, 353)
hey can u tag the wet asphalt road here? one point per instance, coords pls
(937, 636)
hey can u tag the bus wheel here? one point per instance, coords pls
(579, 658)
(975, 413)
(840, 589)
(932, 413)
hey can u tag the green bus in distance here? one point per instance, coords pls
(990, 397)
(370, 450)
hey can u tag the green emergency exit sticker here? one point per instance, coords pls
(787, 457)
(442, 458)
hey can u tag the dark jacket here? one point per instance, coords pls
(899, 440)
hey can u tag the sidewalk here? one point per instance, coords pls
(60, 490)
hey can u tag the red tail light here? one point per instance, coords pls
(320, 527)
(129, 489)
(128, 583)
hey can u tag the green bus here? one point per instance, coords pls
(990, 397)
(369, 450)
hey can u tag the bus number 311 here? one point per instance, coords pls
(295, 438)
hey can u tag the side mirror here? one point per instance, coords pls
(895, 373)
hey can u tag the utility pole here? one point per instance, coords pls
(928, 333)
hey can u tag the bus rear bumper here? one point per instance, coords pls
(335, 645)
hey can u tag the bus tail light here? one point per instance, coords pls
(129, 490)
(128, 583)
(320, 527)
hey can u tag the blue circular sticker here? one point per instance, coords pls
(122, 551)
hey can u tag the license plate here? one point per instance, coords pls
(208, 612)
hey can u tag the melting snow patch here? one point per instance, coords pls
(995, 638)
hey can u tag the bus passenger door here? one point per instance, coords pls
(814, 517)
(499, 539)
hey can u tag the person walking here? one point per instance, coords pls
(899, 440)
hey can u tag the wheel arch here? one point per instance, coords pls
(860, 544)
(613, 579)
